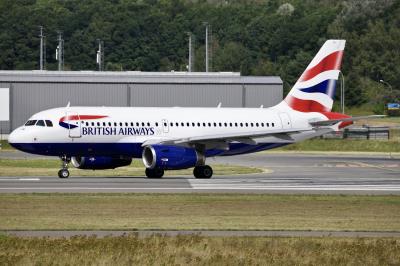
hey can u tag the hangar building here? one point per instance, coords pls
(23, 93)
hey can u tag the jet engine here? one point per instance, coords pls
(171, 157)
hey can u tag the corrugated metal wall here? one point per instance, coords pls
(186, 95)
(5, 126)
(267, 95)
(29, 98)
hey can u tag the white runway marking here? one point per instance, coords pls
(277, 188)
(19, 179)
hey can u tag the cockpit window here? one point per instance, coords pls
(49, 123)
(40, 123)
(30, 123)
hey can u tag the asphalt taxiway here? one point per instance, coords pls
(285, 173)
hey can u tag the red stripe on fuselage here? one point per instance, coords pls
(81, 117)
(305, 105)
(331, 62)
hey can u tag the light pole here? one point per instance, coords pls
(342, 95)
(206, 24)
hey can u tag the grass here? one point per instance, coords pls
(5, 145)
(198, 250)
(343, 145)
(45, 167)
(198, 211)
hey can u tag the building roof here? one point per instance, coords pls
(44, 76)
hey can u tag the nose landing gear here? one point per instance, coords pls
(64, 173)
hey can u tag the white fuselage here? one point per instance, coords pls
(134, 125)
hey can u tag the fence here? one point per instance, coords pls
(365, 132)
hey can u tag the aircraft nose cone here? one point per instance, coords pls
(15, 137)
(12, 138)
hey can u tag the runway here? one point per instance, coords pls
(289, 173)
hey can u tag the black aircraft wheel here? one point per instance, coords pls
(203, 171)
(154, 173)
(63, 173)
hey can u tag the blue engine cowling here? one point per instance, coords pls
(100, 162)
(170, 157)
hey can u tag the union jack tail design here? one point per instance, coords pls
(315, 89)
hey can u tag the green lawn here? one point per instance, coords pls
(198, 211)
(345, 145)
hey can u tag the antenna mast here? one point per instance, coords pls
(42, 48)
(60, 52)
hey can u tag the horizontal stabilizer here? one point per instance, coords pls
(348, 119)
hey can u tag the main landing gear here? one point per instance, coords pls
(154, 173)
(64, 173)
(203, 171)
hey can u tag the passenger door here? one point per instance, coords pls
(74, 125)
(285, 119)
(165, 126)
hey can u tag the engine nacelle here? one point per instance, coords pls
(171, 157)
(99, 163)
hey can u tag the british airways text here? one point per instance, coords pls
(127, 131)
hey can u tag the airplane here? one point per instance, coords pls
(176, 138)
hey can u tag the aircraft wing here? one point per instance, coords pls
(244, 137)
(347, 119)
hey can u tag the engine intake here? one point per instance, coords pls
(171, 157)
(99, 163)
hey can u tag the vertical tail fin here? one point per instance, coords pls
(315, 89)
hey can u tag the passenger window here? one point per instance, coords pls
(209, 124)
(247, 124)
(126, 124)
(137, 124)
(120, 124)
(193, 124)
(230, 124)
(98, 124)
(236, 124)
(40, 123)
(198, 124)
(241, 124)
(49, 123)
(267, 124)
(156, 124)
(182, 124)
(131, 124)
(187, 124)
(115, 124)
(215, 124)
(92, 124)
(109, 124)
(273, 124)
(177, 124)
(262, 124)
(87, 124)
(204, 124)
(165, 124)
(225, 124)
(142, 124)
(251, 124)
(256, 124)
(104, 124)
(220, 124)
